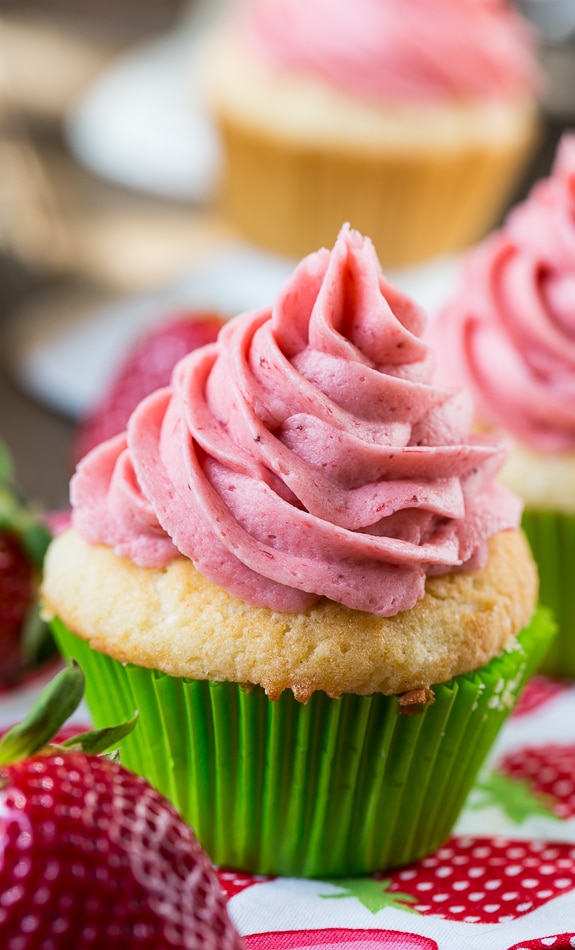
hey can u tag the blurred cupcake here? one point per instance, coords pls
(412, 120)
(296, 546)
(508, 335)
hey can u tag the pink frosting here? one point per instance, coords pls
(508, 334)
(399, 50)
(305, 454)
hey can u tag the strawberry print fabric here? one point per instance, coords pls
(504, 881)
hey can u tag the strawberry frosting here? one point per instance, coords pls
(304, 454)
(508, 333)
(413, 50)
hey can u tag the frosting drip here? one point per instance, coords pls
(305, 454)
(414, 50)
(509, 332)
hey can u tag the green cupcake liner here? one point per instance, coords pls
(335, 787)
(552, 539)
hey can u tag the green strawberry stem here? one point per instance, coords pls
(6, 467)
(18, 517)
(27, 538)
(54, 706)
(34, 535)
(101, 740)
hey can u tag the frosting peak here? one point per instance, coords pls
(508, 334)
(413, 50)
(305, 454)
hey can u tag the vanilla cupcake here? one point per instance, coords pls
(299, 566)
(412, 120)
(508, 335)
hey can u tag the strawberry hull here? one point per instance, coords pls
(329, 788)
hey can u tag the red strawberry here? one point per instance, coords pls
(556, 942)
(234, 882)
(488, 880)
(17, 592)
(335, 937)
(90, 853)
(473, 880)
(25, 641)
(549, 771)
(146, 367)
(539, 691)
(68, 731)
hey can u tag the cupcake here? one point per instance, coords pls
(412, 120)
(300, 569)
(508, 334)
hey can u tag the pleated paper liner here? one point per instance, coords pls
(334, 787)
(414, 203)
(552, 539)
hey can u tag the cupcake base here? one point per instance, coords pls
(334, 787)
(290, 200)
(302, 156)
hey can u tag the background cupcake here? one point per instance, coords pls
(297, 545)
(508, 335)
(412, 120)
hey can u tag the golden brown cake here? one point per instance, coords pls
(175, 620)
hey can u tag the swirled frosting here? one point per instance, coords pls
(387, 50)
(508, 334)
(305, 454)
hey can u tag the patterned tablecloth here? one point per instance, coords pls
(505, 880)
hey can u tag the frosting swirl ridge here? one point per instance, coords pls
(509, 331)
(416, 50)
(306, 454)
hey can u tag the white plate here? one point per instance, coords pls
(141, 124)
(67, 364)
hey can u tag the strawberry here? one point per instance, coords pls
(25, 641)
(90, 853)
(563, 941)
(548, 771)
(539, 691)
(472, 880)
(146, 367)
(335, 937)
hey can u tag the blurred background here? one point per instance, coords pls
(107, 212)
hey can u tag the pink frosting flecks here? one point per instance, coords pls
(399, 50)
(306, 454)
(509, 332)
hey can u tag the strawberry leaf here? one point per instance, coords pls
(6, 466)
(515, 797)
(37, 640)
(373, 895)
(56, 703)
(35, 537)
(101, 740)
(18, 517)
